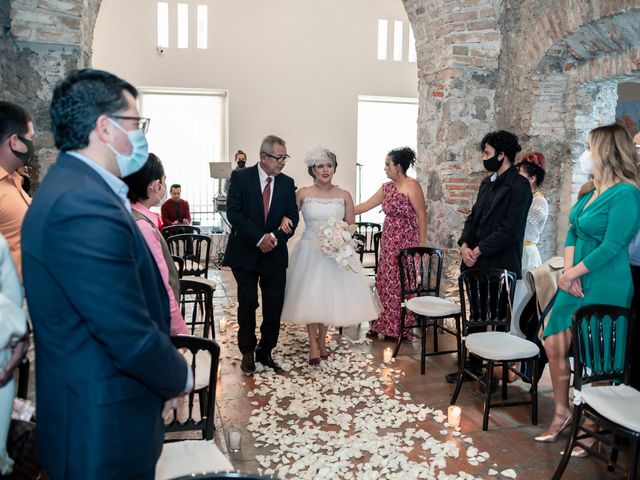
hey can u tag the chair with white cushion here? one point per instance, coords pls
(182, 456)
(486, 296)
(420, 274)
(603, 339)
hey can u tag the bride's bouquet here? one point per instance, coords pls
(336, 242)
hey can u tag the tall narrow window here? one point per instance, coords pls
(183, 25)
(202, 26)
(163, 24)
(397, 40)
(412, 46)
(383, 27)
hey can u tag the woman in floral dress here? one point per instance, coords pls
(405, 226)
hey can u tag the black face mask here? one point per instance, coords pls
(241, 163)
(493, 164)
(27, 156)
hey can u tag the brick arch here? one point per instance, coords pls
(573, 30)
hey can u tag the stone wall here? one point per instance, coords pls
(42, 41)
(546, 70)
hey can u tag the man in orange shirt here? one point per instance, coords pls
(16, 150)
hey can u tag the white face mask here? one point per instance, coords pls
(586, 162)
(162, 199)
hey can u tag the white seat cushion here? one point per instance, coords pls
(432, 306)
(190, 456)
(618, 403)
(203, 367)
(500, 346)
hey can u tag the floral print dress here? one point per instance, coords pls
(400, 230)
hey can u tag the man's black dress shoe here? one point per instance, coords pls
(248, 366)
(267, 361)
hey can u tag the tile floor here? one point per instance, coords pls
(509, 439)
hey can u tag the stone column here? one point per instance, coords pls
(47, 39)
(458, 45)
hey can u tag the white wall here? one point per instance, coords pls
(294, 68)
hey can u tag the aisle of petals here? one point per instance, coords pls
(345, 419)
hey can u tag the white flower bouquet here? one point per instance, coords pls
(336, 242)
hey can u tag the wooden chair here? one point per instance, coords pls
(488, 293)
(200, 295)
(179, 263)
(376, 249)
(369, 254)
(603, 340)
(171, 230)
(180, 455)
(420, 274)
(195, 251)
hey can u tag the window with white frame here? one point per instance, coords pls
(188, 130)
(384, 123)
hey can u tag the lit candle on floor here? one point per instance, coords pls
(234, 440)
(223, 324)
(453, 415)
(387, 355)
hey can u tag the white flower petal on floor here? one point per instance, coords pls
(346, 419)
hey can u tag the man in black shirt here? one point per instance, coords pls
(493, 232)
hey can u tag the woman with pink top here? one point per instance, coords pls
(147, 188)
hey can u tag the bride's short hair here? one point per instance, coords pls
(317, 156)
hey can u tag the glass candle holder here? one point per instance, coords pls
(235, 439)
(387, 355)
(453, 415)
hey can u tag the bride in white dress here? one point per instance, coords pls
(319, 292)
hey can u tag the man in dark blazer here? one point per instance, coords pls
(258, 199)
(493, 232)
(105, 363)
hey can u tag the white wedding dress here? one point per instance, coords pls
(318, 290)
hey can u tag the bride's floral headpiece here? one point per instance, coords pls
(316, 156)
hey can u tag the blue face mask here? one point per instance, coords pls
(133, 162)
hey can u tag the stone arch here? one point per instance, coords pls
(563, 82)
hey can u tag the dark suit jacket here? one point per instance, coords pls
(101, 323)
(245, 213)
(497, 222)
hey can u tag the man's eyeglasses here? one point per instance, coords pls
(637, 145)
(143, 123)
(278, 159)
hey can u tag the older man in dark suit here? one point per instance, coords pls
(105, 362)
(259, 197)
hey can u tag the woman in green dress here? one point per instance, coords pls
(596, 260)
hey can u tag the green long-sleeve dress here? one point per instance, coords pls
(600, 233)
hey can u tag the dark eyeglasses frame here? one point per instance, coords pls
(277, 159)
(143, 122)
